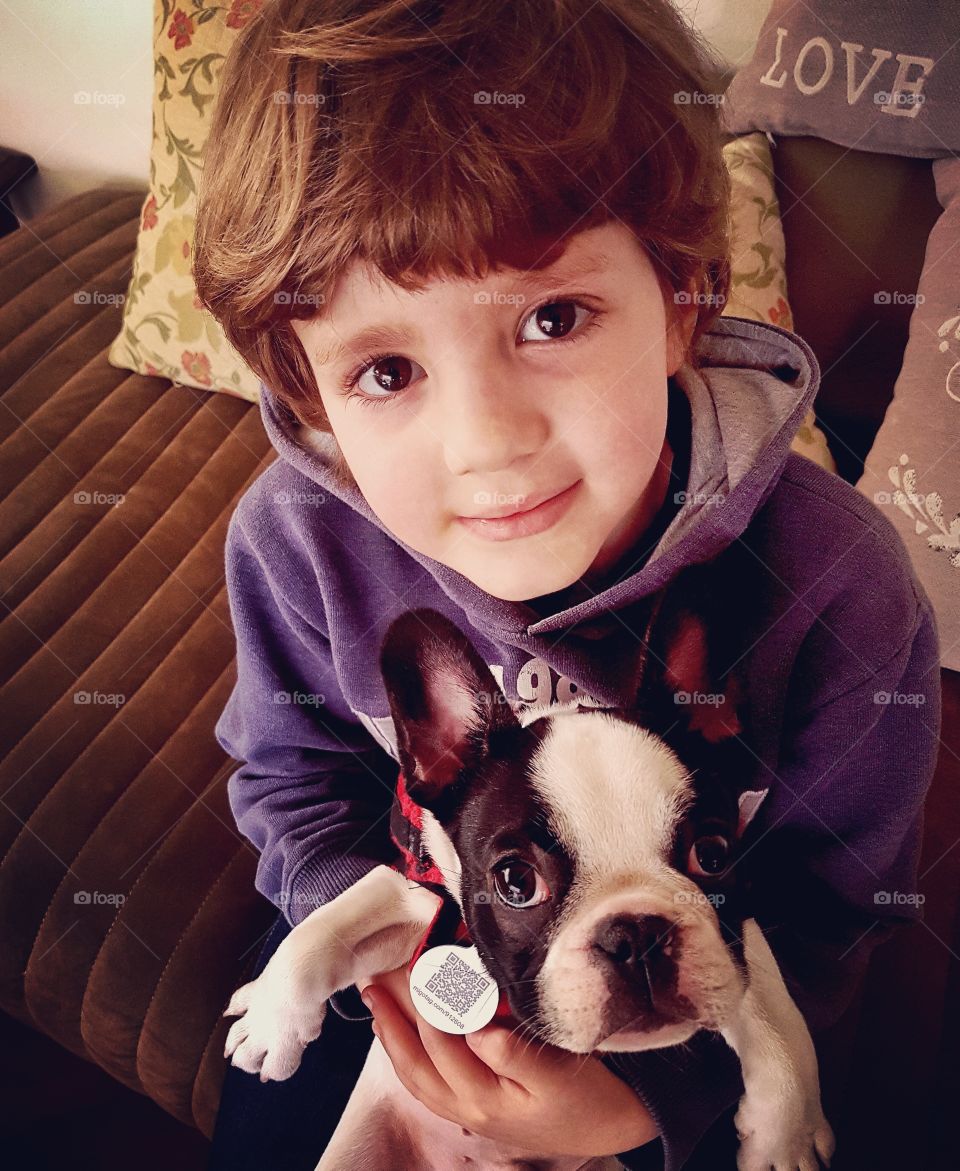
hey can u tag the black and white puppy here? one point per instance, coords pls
(588, 850)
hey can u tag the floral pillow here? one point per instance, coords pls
(758, 285)
(165, 330)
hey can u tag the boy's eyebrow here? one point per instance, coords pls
(381, 336)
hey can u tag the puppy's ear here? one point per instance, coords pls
(748, 802)
(444, 701)
(691, 692)
(713, 704)
(680, 683)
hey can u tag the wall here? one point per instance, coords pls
(75, 93)
(731, 26)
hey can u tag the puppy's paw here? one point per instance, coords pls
(783, 1139)
(274, 1027)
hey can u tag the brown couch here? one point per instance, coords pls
(117, 658)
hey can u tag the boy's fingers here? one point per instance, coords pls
(410, 1060)
(513, 1056)
(437, 1068)
(387, 987)
(461, 1069)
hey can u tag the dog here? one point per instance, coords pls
(620, 829)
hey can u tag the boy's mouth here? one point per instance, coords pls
(531, 501)
(525, 522)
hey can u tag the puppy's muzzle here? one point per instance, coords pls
(641, 954)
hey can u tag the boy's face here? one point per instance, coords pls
(503, 393)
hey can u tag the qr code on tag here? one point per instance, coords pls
(457, 984)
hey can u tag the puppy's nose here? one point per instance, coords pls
(637, 943)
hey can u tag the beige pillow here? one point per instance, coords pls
(165, 330)
(758, 285)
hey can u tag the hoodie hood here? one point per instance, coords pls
(747, 398)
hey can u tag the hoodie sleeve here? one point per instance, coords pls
(315, 789)
(834, 864)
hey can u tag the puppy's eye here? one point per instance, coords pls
(518, 884)
(709, 855)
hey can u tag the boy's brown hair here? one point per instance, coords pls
(450, 139)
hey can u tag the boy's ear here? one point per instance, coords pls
(681, 313)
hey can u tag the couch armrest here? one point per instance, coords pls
(15, 167)
(127, 894)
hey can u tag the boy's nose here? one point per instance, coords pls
(488, 431)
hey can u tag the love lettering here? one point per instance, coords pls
(815, 63)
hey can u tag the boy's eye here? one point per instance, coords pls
(388, 375)
(556, 319)
(388, 372)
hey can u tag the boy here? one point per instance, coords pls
(477, 254)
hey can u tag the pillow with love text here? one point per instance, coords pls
(881, 77)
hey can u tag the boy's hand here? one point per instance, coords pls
(505, 1087)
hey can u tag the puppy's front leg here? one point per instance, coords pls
(780, 1120)
(371, 927)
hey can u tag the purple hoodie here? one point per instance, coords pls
(840, 660)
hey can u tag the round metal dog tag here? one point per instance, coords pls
(452, 990)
